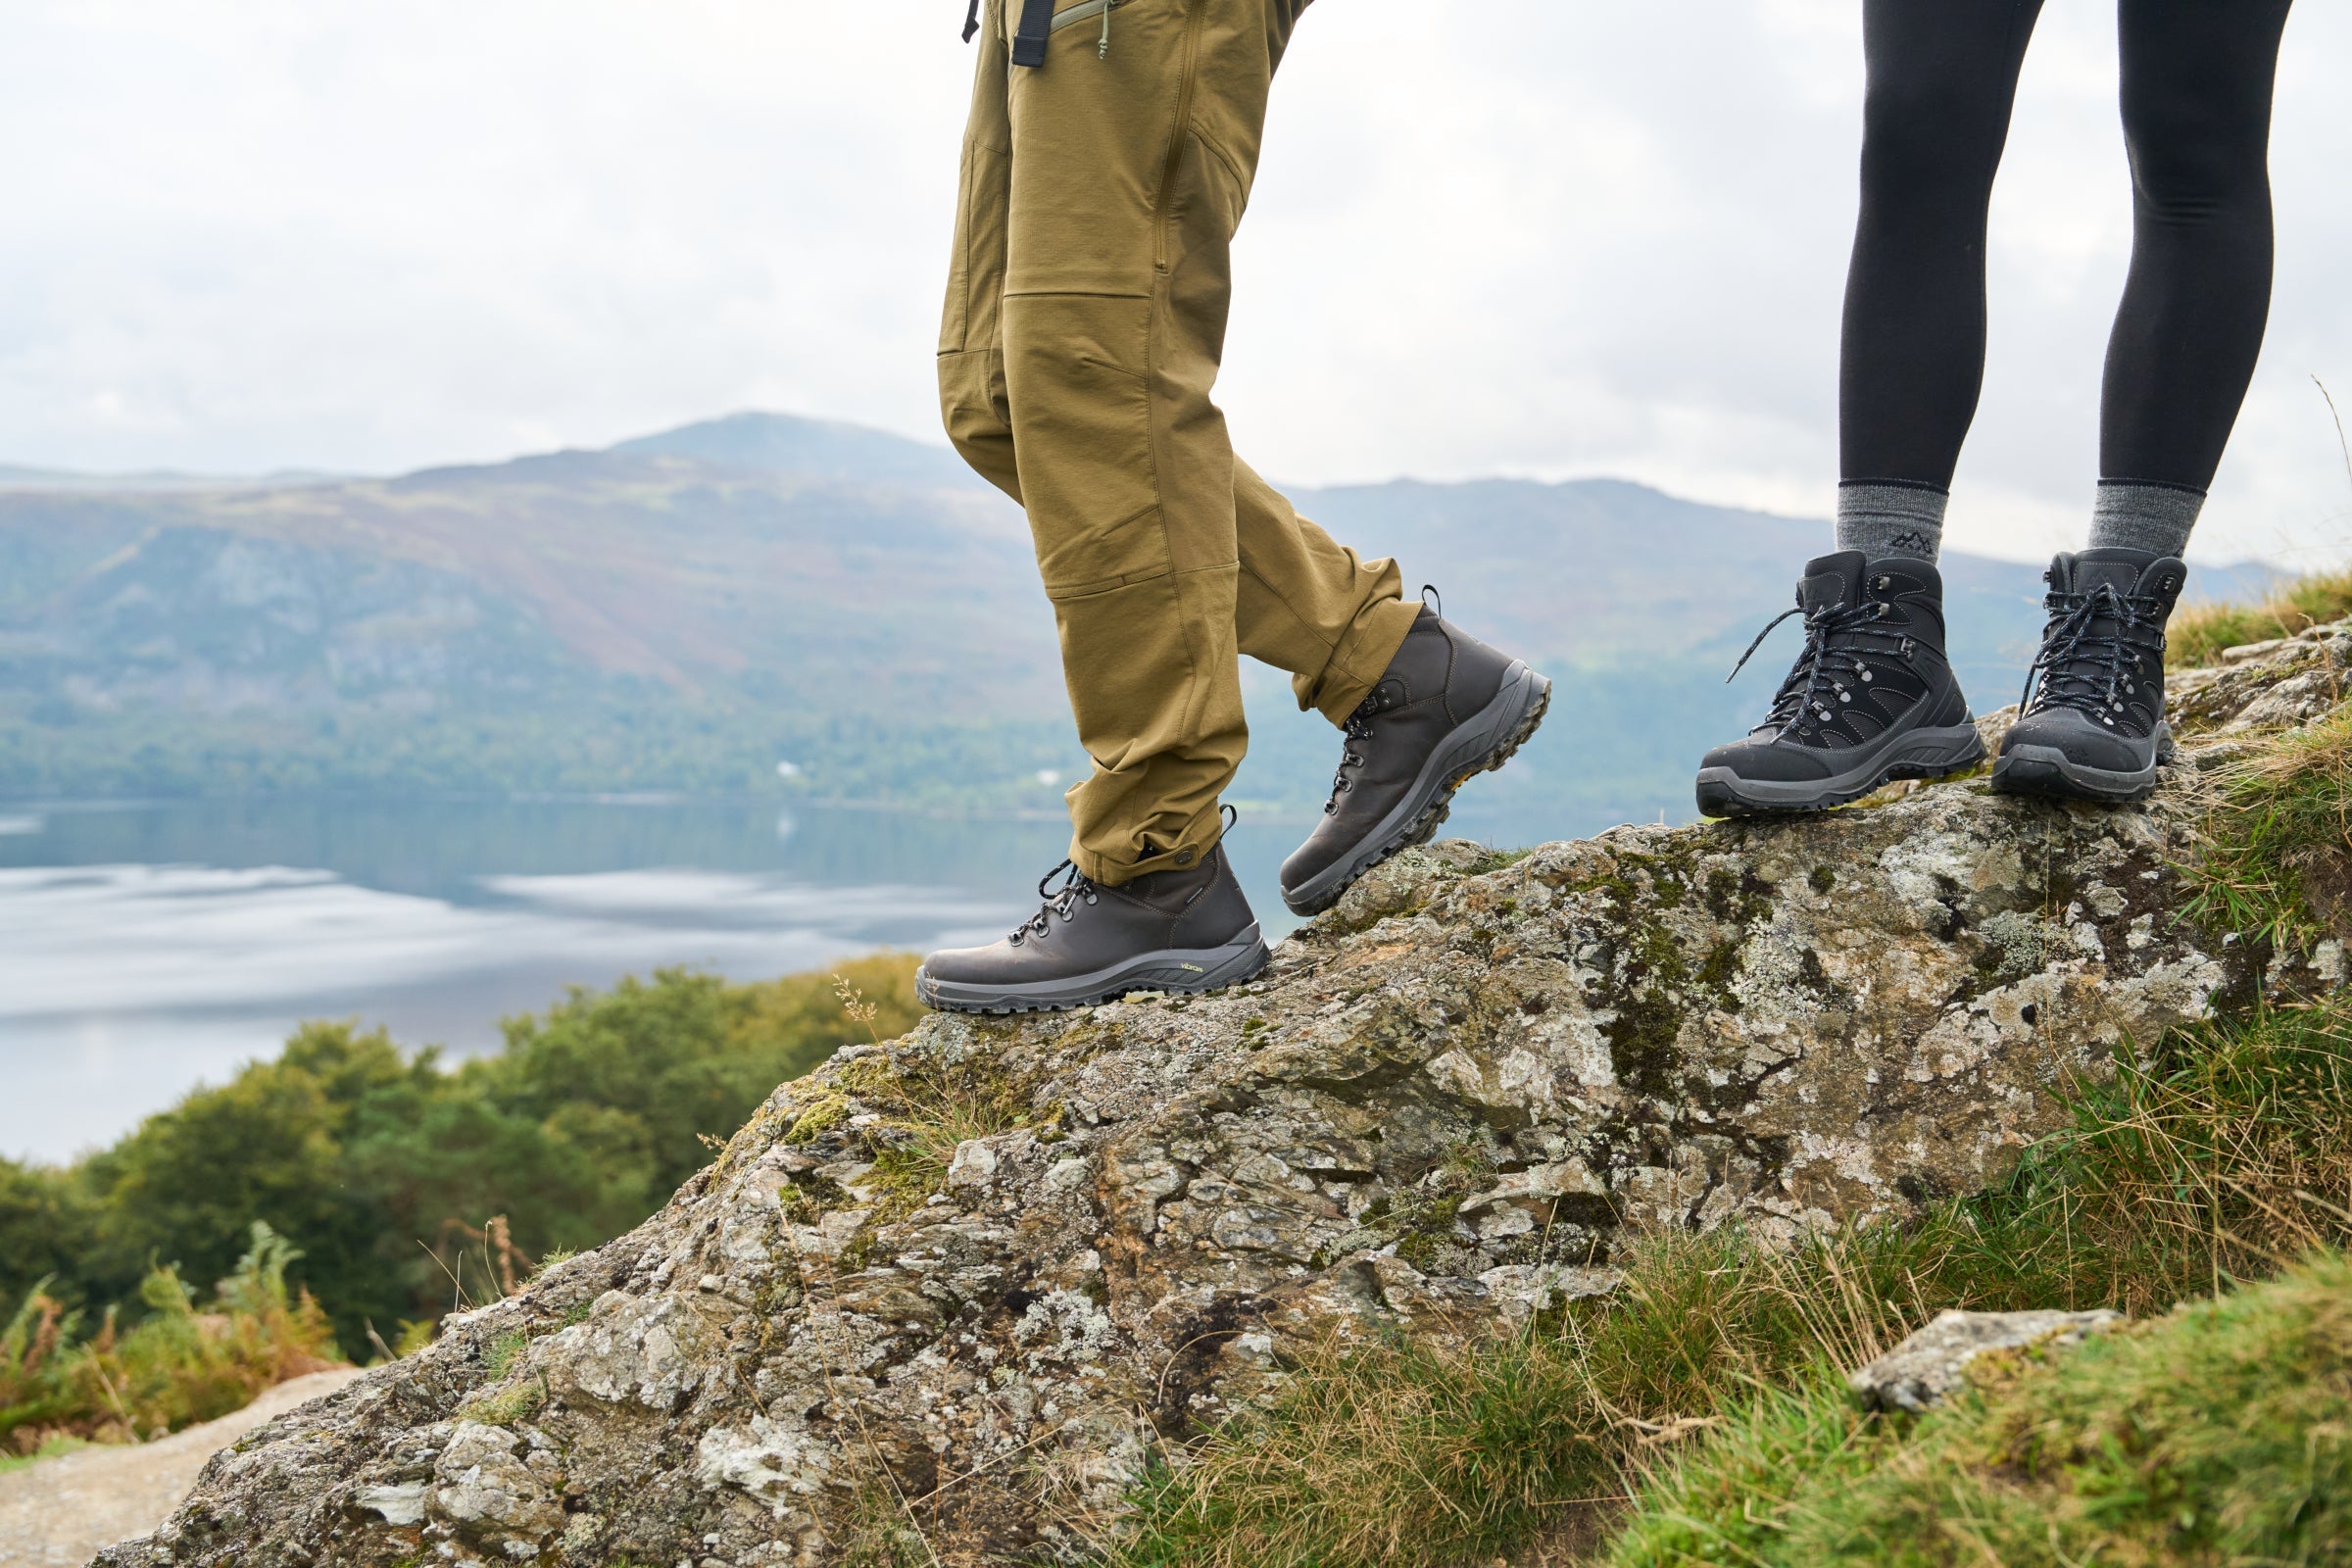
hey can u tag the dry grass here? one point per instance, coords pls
(2198, 633)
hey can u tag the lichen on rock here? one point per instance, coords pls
(992, 1267)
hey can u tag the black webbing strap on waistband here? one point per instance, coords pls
(1029, 43)
(971, 21)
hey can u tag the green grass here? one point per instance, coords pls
(2199, 633)
(2221, 1434)
(49, 1449)
(2180, 1176)
(2277, 855)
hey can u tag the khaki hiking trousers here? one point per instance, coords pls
(1085, 322)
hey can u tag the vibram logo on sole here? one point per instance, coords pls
(1196, 968)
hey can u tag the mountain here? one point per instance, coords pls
(813, 449)
(687, 609)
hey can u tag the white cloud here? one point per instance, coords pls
(1519, 237)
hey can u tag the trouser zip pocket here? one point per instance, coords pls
(1069, 15)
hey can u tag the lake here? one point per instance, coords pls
(148, 947)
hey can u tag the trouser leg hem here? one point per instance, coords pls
(1202, 835)
(1363, 656)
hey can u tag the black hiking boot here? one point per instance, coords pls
(1186, 930)
(1446, 708)
(1872, 697)
(2093, 728)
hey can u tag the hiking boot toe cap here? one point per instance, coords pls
(2083, 740)
(1769, 759)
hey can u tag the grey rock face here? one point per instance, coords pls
(980, 1273)
(1920, 1372)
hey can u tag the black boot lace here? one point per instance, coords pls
(1839, 642)
(2093, 652)
(1062, 900)
(1358, 729)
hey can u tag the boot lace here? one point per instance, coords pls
(1062, 900)
(2089, 667)
(1839, 640)
(1358, 729)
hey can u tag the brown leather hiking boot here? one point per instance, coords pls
(1176, 930)
(1448, 706)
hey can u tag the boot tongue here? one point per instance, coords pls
(2113, 565)
(1832, 580)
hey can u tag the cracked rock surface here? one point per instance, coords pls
(989, 1267)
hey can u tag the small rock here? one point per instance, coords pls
(1918, 1373)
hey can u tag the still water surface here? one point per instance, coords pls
(147, 948)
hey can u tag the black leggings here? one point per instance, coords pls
(2196, 99)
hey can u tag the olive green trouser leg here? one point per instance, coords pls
(1083, 326)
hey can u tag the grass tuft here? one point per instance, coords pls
(925, 1112)
(2219, 1434)
(2277, 860)
(2198, 633)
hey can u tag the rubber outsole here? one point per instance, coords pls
(1924, 754)
(2048, 772)
(1469, 749)
(1187, 972)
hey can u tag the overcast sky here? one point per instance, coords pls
(1517, 237)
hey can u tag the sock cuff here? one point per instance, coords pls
(1890, 517)
(2144, 514)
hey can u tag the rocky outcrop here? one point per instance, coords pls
(974, 1277)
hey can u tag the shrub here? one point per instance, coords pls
(406, 1185)
(175, 1367)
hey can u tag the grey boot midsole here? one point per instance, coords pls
(1168, 969)
(1945, 749)
(1471, 741)
(2106, 780)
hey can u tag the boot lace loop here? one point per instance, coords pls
(1358, 729)
(1063, 900)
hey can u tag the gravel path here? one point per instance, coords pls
(58, 1512)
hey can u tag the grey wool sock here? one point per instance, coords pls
(2138, 516)
(1880, 518)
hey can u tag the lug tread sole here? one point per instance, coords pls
(1718, 801)
(1262, 957)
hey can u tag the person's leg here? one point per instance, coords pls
(1936, 118)
(1085, 324)
(1872, 696)
(2196, 101)
(1129, 171)
(1310, 605)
